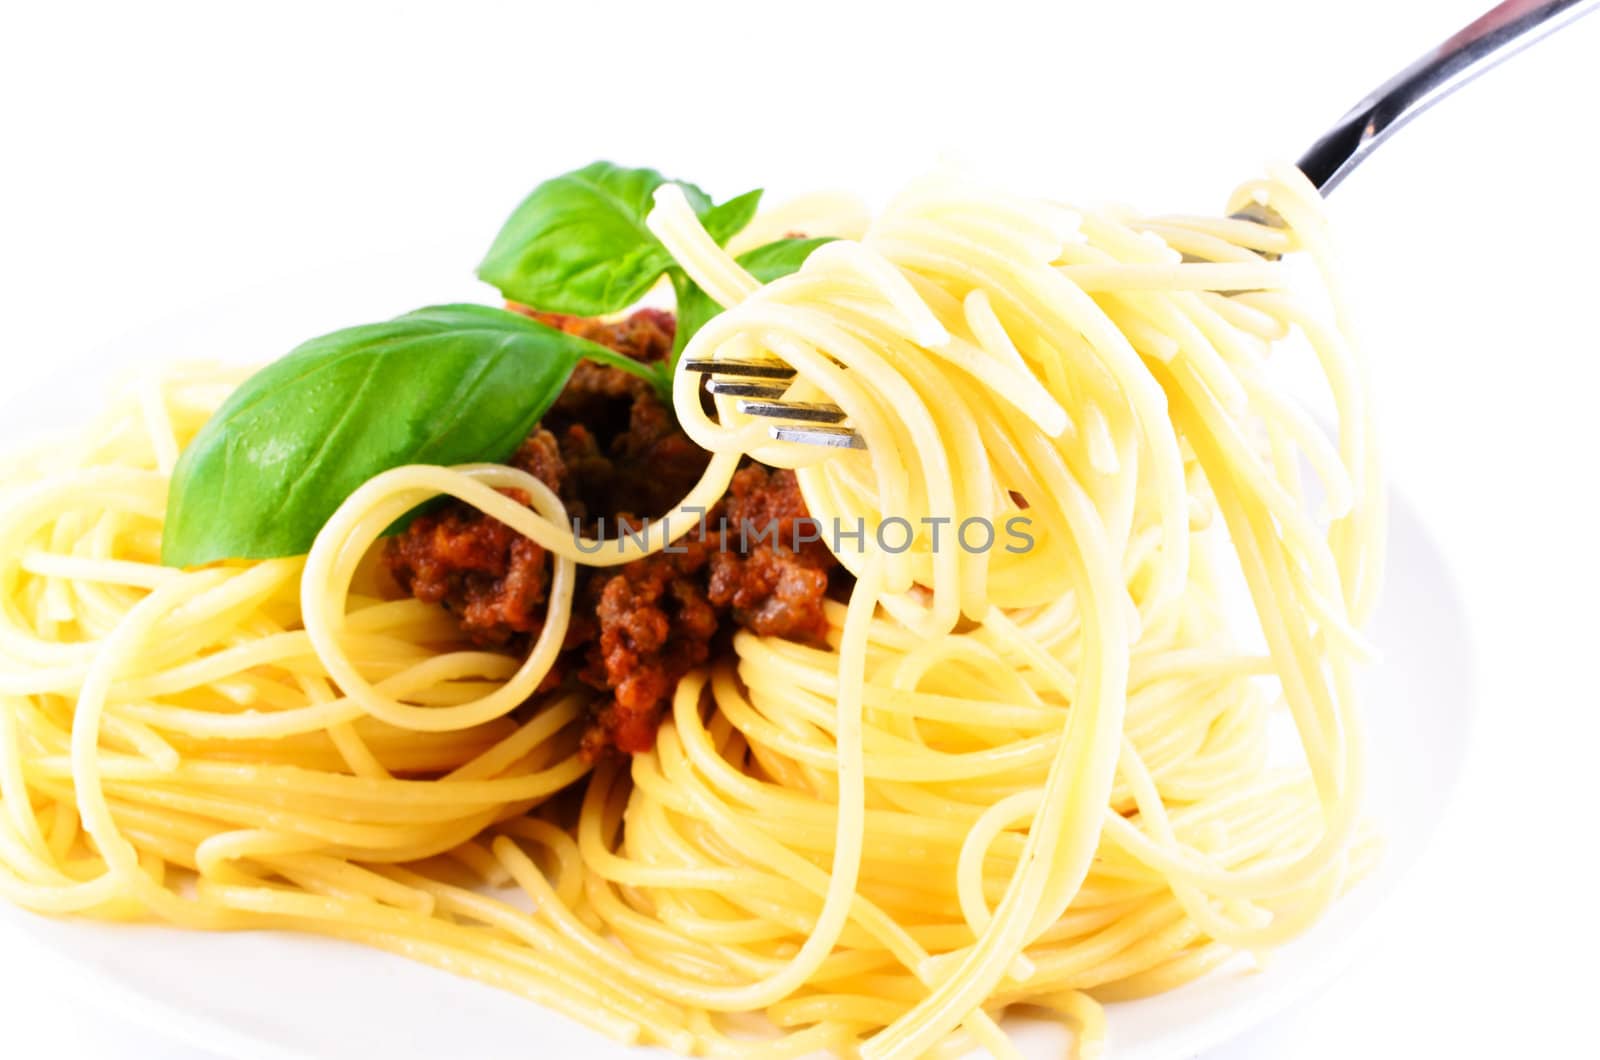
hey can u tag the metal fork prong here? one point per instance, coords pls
(793, 410)
(765, 399)
(1261, 215)
(746, 369)
(832, 437)
(751, 390)
(1257, 214)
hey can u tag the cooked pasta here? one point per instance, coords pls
(1029, 765)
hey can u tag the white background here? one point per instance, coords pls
(153, 156)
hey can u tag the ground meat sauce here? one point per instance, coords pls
(773, 588)
(610, 448)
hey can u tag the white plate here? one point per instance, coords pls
(266, 994)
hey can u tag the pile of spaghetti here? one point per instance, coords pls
(1010, 777)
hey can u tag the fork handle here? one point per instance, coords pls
(1495, 36)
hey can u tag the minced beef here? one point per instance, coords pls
(611, 449)
(773, 588)
(653, 624)
(491, 577)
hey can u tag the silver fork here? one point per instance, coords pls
(761, 387)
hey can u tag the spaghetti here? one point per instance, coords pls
(1034, 776)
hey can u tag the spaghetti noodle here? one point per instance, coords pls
(1032, 776)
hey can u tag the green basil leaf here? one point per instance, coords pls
(724, 222)
(445, 385)
(766, 263)
(578, 244)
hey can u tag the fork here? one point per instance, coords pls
(761, 387)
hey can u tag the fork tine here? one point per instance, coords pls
(1256, 214)
(832, 437)
(753, 390)
(793, 410)
(746, 369)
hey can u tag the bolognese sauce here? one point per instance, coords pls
(613, 452)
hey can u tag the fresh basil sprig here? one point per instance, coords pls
(445, 385)
(578, 243)
(766, 263)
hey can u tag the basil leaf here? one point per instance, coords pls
(766, 263)
(578, 244)
(724, 222)
(444, 385)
